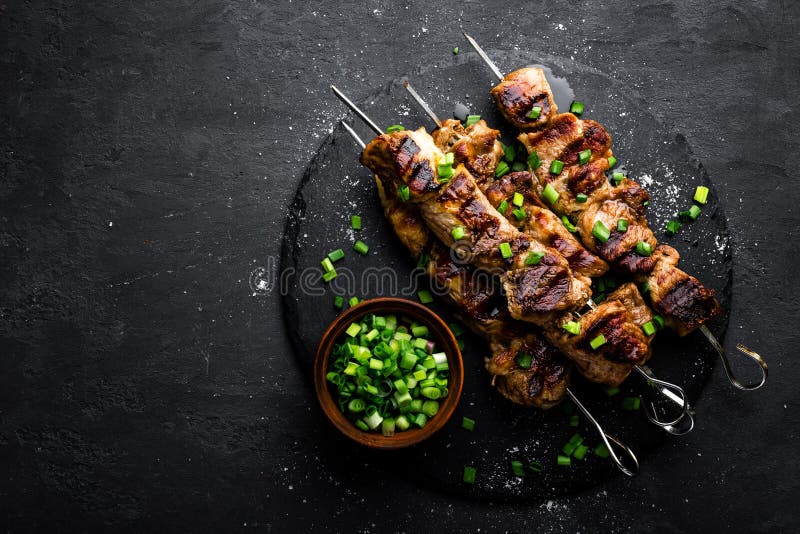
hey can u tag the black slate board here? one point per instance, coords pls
(336, 186)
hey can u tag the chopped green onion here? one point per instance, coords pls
(534, 257)
(338, 302)
(362, 425)
(535, 112)
(361, 247)
(425, 296)
(533, 161)
(520, 214)
(373, 419)
(430, 407)
(601, 451)
(622, 225)
(404, 193)
(458, 233)
(395, 128)
(612, 390)
(327, 265)
(472, 119)
(672, 227)
(580, 452)
(631, 403)
(611, 162)
(556, 167)
(467, 423)
(536, 467)
(692, 213)
(456, 329)
(503, 207)
(518, 200)
(353, 330)
(355, 222)
(449, 158)
(517, 468)
(659, 321)
(564, 461)
(469, 474)
(501, 169)
(584, 156)
(524, 360)
(701, 194)
(573, 327)
(645, 288)
(581, 198)
(648, 328)
(576, 108)
(568, 224)
(353, 301)
(505, 250)
(330, 275)
(455, 50)
(600, 231)
(550, 194)
(574, 420)
(509, 153)
(517, 166)
(644, 248)
(419, 330)
(444, 171)
(598, 342)
(617, 177)
(336, 255)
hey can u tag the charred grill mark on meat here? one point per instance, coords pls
(519, 93)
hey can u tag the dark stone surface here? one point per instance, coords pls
(149, 154)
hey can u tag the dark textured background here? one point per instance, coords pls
(149, 152)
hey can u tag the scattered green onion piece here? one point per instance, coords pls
(612, 390)
(550, 194)
(600, 231)
(458, 233)
(611, 162)
(556, 167)
(701, 194)
(580, 452)
(574, 420)
(469, 474)
(327, 265)
(648, 328)
(456, 329)
(404, 193)
(467, 423)
(443, 172)
(533, 161)
(501, 169)
(449, 158)
(622, 225)
(425, 296)
(576, 108)
(524, 360)
(336, 255)
(355, 222)
(645, 288)
(338, 302)
(568, 224)
(361, 247)
(659, 321)
(643, 248)
(534, 257)
(503, 207)
(517, 468)
(672, 227)
(631, 403)
(353, 301)
(472, 119)
(505, 250)
(535, 112)
(584, 156)
(598, 342)
(617, 177)
(455, 51)
(573, 327)
(601, 451)
(520, 214)
(564, 461)
(518, 200)
(536, 467)
(330, 275)
(395, 128)
(581, 198)
(690, 214)
(509, 153)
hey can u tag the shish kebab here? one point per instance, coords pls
(579, 190)
(461, 200)
(544, 382)
(478, 147)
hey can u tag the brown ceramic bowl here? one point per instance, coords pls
(439, 333)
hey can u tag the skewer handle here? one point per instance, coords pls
(608, 440)
(484, 56)
(756, 357)
(356, 110)
(424, 105)
(672, 392)
(353, 134)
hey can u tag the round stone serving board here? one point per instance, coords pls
(335, 186)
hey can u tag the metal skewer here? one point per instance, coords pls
(750, 353)
(610, 441)
(670, 391)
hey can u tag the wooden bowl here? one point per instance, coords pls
(439, 333)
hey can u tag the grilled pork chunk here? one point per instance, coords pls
(476, 147)
(519, 93)
(406, 221)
